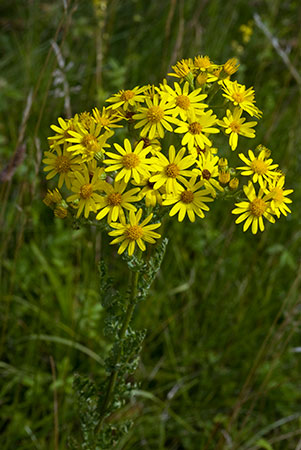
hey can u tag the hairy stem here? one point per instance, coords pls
(114, 373)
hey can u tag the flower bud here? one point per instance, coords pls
(233, 184)
(224, 177)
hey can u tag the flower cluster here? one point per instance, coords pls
(117, 166)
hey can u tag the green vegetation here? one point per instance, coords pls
(220, 365)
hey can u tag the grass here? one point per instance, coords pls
(221, 362)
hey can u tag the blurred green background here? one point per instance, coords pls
(220, 367)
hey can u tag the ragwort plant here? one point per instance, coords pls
(129, 186)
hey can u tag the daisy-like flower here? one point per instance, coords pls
(278, 196)
(260, 168)
(195, 130)
(191, 200)
(203, 63)
(128, 99)
(235, 126)
(130, 163)
(208, 171)
(182, 69)
(85, 119)
(115, 200)
(62, 132)
(107, 118)
(183, 103)
(85, 191)
(241, 97)
(171, 170)
(154, 118)
(253, 210)
(88, 143)
(132, 233)
(62, 163)
(231, 66)
(151, 195)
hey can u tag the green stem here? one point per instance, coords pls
(126, 322)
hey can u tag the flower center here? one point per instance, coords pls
(134, 232)
(235, 127)
(114, 199)
(258, 207)
(238, 97)
(86, 191)
(172, 170)
(183, 102)
(90, 142)
(62, 164)
(259, 166)
(187, 196)
(155, 114)
(104, 121)
(206, 174)
(195, 128)
(150, 184)
(127, 95)
(130, 160)
(278, 194)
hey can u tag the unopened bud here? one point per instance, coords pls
(223, 164)
(99, 156)
(224, 177)
(60, 212)
(233, 184)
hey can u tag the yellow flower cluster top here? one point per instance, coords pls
(159, 148)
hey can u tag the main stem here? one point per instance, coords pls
(126, 321)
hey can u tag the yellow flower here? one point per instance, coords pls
(131, 163)
(278, 196)
(62, 132)
(183, 103)
(85, 191)
(132, 233)
(182, 69)
(115, 200)
(254, 210)
(235, 126)
(190, 200)
(154, 118)
(107, 118)
(203, 63)
(172, 170)
(151, 196)
(194, 131)
(208, 170)
(241, 97)
(231, 66)
(85, 119)
(88, 143)
(261, 168)
(128, 99)
(52, 197)
(62, 163)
